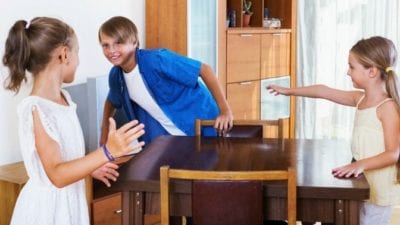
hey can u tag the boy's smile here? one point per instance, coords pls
(119, 53)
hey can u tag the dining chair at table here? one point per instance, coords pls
(246, 128)
(227, 197)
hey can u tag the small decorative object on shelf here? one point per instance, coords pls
(266, 13)
(232, 18)
(272, 23)
(247, 13)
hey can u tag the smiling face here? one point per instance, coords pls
(119, 53)
(358, 73)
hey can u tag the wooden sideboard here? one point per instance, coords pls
(12, 179)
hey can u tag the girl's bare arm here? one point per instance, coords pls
(62, 173)
(349, 98)
(390, 119)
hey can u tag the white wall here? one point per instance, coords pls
(85, 16)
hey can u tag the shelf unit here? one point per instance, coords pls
(256, 55)
(281, 9)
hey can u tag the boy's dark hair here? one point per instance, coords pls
(120, 28)
(29, 47)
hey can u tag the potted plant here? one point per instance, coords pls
(247, 13)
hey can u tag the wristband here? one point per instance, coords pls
(107, 153)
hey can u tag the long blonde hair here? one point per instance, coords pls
(381, 53)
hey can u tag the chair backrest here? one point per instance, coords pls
(244, 128)
(211, 205)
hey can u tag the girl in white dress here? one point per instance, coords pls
(50, 134)
(376, 133)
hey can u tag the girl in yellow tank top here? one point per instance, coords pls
(376, 133)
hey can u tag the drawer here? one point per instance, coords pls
(107, 210)
(244, 99)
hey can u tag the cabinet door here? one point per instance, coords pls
(107, 210)
(243, 57)
(244, 99)
(275, 55)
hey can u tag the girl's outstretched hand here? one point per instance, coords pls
(347, 171)
(278, 90)
(119, 141)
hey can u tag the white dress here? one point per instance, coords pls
(40, 202)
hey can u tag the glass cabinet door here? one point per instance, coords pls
(274, 107)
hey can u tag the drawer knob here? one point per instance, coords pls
(118, 211)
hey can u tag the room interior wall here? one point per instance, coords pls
(85, 17)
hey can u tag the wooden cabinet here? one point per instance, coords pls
(254, 58)
(107, 210)
(257, 56)
(12, 179)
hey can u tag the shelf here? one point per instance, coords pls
(281, 9)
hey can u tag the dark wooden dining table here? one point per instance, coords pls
(320, 196)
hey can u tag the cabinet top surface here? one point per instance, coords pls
(14, 173)
(256, 30)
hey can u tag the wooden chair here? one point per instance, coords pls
(244, 128)
(212, 203)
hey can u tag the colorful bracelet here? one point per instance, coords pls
(107, 153)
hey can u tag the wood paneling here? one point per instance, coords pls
(244, 99)
(166, 25)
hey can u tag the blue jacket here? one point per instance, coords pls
(173, 81)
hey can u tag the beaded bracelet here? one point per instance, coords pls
(107, 153)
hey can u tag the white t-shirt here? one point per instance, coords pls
(139, 94)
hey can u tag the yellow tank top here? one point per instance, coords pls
(367, 141)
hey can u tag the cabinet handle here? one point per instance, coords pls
(118, 211)
(246, 35)
(245, 83)
(277, 34)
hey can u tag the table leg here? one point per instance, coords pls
(339, 212)
(138, 210)
(347, 212)
(132, 208)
